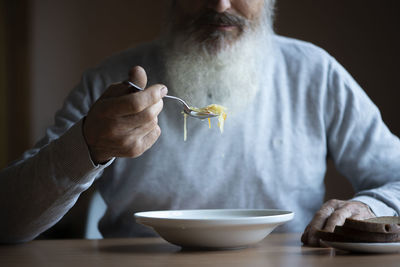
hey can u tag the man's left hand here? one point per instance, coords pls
(334, 212)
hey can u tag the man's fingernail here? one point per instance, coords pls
(164, 91)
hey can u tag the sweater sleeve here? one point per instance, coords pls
(361, 145)
(37, 190)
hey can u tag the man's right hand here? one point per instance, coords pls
(123, 122)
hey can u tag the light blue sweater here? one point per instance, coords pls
(308, 109)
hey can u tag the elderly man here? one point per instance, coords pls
(290, 106)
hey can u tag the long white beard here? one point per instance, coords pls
(230, 77)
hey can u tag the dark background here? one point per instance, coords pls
(46, 45)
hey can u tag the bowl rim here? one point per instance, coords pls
(155, 218)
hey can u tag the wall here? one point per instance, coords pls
(71, 36)
(3, 91)
(14, 75)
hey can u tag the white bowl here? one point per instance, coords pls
(219, 228)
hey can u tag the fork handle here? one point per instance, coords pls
(131, 84)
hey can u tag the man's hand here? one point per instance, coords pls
(334, 212)
(123, 122)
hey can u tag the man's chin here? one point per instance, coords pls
(215, 41)
(214, 48)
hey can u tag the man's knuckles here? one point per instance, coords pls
(151, 125)
(339, 215)
(152, 137)
(142, 100)
(149, 114)
(139, 146)
(332, 203)
(136, 103)
(155, 93)
(136, 150)
(135, 147)
(125, 143)
(323, 213)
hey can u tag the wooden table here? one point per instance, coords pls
(275, 250)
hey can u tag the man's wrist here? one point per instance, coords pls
(366, 206)
(96, 162)
(378, 207)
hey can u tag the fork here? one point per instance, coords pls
(186, 108)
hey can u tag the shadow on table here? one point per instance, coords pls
(162, 249)
(319, 252)
(331, 252)
(141, 248)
